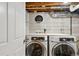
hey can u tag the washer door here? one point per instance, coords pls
(35, 49)
(63, 50)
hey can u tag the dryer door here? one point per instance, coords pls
(35, 49)
(63, 50)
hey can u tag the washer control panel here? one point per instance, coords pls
(66, 39)
(61, 38)
(37, 38)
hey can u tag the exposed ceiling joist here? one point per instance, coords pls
(40, 4)
(44, 6)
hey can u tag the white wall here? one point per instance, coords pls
(52, 25)
(75, 26)
(27, 22)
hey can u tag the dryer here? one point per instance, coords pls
(62, 45)
(36, 45)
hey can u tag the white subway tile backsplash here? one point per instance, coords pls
(75, 26)
(52, 25)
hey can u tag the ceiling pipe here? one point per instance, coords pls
(59, 7)
(49, 8)
(74, 8)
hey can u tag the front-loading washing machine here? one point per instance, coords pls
(62, 45)
(36, 45)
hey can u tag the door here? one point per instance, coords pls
(20, 19)
(3, 22)
(12, 22)
(16, 28)
(3, 28)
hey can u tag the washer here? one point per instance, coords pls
(36, 45)
(62, 45)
